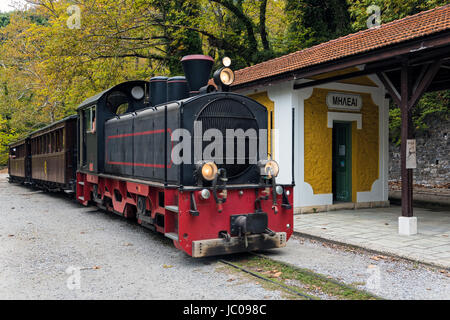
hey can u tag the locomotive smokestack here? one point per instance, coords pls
(197, 69)
(158, 90)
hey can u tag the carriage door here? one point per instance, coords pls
(342, 162)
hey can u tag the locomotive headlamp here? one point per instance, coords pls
(227, 76)
(226, 61)
(269, 168)
(209, 170)
(224, 77)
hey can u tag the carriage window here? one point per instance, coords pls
(56, 140)
(42, 144)
(19, 152)
(59, 140)
(51, 142)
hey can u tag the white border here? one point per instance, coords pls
(344, 116)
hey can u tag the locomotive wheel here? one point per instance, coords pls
(142, 206)
(109, 204)
(95, 194)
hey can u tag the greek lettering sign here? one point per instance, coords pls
(344, 101)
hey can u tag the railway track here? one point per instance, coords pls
(256, 275)
(334, 289)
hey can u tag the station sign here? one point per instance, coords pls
(344, 101)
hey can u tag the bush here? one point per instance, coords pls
(431, 105)
(7, 136)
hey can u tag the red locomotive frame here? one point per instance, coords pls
(168, 212)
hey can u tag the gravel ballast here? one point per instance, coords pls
(46, 238)
(385, 276)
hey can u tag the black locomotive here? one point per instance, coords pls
(151, 151)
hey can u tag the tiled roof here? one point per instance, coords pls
(415, 26)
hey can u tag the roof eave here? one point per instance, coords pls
(395, 51)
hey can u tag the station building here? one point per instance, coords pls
(331, 140)
(328, 107)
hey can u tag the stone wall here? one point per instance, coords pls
(433, 150)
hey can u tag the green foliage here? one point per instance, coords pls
(7, 135)
(390, 10)
(47, 68)
(315, 21)
(4, 19)
(433, 105)
(181, 41)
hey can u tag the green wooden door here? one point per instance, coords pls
(342, 162)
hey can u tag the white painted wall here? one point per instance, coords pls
(282, 96)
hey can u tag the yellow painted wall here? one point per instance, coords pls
(263, 98)
(318, 144)
(318, 149)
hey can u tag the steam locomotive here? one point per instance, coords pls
(155, 151)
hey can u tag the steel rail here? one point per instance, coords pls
(267, 280)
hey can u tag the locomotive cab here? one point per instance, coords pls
(95, 111)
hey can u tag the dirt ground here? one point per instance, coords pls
(5, 170)
(54, 248)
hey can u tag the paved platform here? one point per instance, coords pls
(377, 229)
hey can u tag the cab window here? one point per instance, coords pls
(89, 120)
(118, 102)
